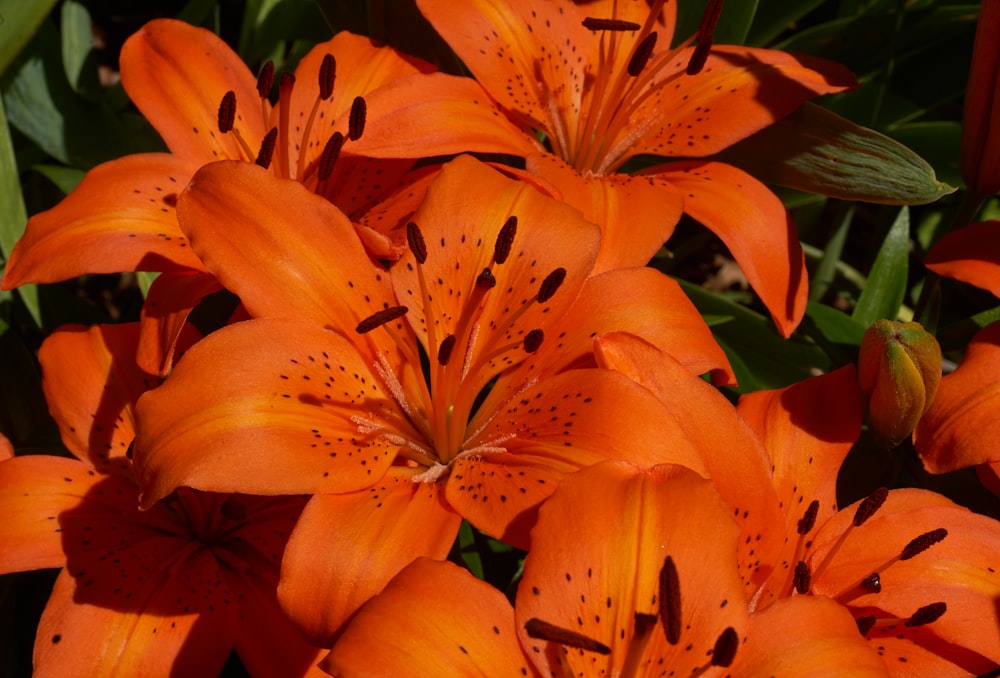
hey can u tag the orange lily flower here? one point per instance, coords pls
(168, 591)
(981, 112)
(632, 572)
(324, 392)
(207, 106)
(894, 561)
(966, 406)
(599, 82)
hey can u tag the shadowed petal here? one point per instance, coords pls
(173, 615)
(952, 434)
(122, 217)
(164, 314)
(433, 619)
(808, 429)
(91, 383)
(346, 547)
(970, 254)
(754, 225)
(277, 402)
(177, 74)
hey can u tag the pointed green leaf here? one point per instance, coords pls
(818, 151)
(886, 286)
(13, 215)
(19, 19)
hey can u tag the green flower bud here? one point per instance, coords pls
(899, 369)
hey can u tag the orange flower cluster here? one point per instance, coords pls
(442, 315)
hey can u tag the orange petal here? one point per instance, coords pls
(164, 314)
(648, 304)
(91, 383)
(808, 429)
(176, 74)
(121, 217)
(34, 491)
(433, 619)
(346, 547)
(162, 611)
(739, 91)
(257, 396)
(6, 448)
(970, 254)
(960, 570)
(805, 636)
(754, 225)
(636, 214)
(284, 250)
(952, 434)
(437, 114)
(462, 213)
(361, 68)
(731, 454)
(269, 644)
(596, 557)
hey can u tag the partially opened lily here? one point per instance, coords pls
(632, 572)
(601, 84)
(168, 591)
(208, 106)
(325, 392)
(917, 571)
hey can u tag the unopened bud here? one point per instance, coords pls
(899, 368)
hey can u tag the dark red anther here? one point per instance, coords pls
(505, 240)
(708, 21)
(227, 112)
(725, 648)
(641, 55)
(920, 544)
(445, 349)
(415, 239)
(380, 318)
(265, 79)
(872, 583)
(356, 123)
(328, 158)
(327, 73)
(594, 24)
(486, 280)
(670, 601)
(285, 83)
(866, 623)
(802, 578)
(131, 449)
(869, 506)
(808, 519)
(543, 630)
(927, 614)
(267, 148)
(551, 284)
(533, 340)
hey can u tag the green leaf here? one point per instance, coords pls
(19, 19)
(469, 550)
(64, 178)
(773, 18)
(818, 151)
(760, 357)
(79, 58)
(13, 215)
(883, 294)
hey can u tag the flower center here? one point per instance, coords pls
(452, 365)
(802, 577)
(628, 72)
(293, 159)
